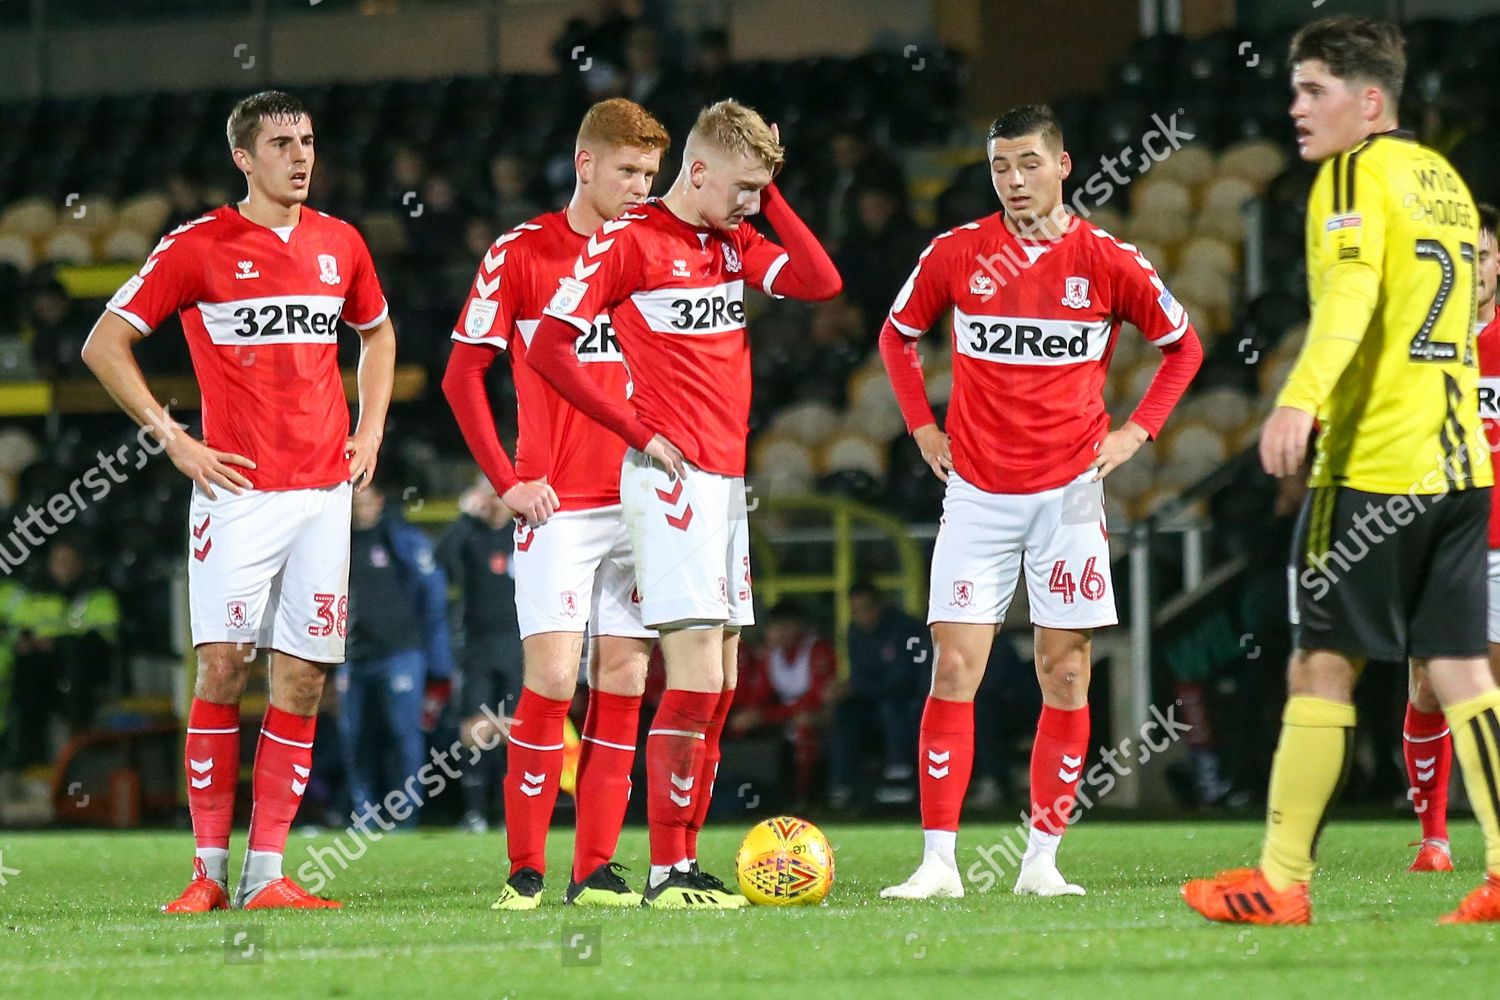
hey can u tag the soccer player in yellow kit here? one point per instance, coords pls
(1388, 561)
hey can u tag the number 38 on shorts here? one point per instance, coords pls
(1058, 536)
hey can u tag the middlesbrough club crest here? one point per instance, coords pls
(570, 603)
(963, 593)
(1076, 293)
(328, 269)
(236, 610)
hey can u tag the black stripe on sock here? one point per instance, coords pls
(1486, 763)
(1338, 789)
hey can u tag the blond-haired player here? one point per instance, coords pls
(672, 276)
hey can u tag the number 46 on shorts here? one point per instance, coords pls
(1091, 583)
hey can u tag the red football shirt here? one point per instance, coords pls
(1489, 410)
(260, 312)
(1034, 326)
(517, 278)
(675, 294)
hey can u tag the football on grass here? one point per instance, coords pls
(785, 862)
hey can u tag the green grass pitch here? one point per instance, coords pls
(78, 918)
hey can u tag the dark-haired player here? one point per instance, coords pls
(1027, 445)
(1388, 560)
(261, 287)
(1425, 738)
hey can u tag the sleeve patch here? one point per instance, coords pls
(127, 291)
(1170, 306)
(570, 292)
(1350, 220)
(481, 317)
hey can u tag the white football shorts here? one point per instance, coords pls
(576, 573)
(1058, 535)
(271, 567)
(691, 539)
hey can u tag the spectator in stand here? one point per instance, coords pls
(399, 661)
(57, 330)
(783, 688)
(890, 663)
(855, 164)
(475, 553)
(878, 249)
(63, 629)
(513, 199)
(712, 76)
(653, 84)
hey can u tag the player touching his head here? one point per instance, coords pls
(261, 287)
(573, 564)
(1425, 738)
(672, 276)
(1027, 446)
(1388, 559)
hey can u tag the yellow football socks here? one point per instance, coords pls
(1311, 763)
(1476, 742)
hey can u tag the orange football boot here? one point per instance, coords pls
(1480, 906)
(1433, 856)
(284, 894)
(201, 895)
(1243, 896)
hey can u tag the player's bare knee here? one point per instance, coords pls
(1419, 688)
(624, 676)
(223, 669)
(955, 675)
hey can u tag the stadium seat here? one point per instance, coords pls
(870, 381)
(68, 246)
(852, 451)
(1160, 195)
(784, 464)
(809, 423)
(30, 217)
(1227, 191)
(129, 245)
(1211, 254)
(145, 212)
(881, 420)
(1225, 409)
(1257, 161)
(1192, 165)
(17, 251)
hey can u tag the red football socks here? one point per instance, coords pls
(710, 771)
(212, 759)
(604, 764)
(1057, 755)
(283, 763)
(945, 755)
(1428, 749)
(533, 767)
(674, 768)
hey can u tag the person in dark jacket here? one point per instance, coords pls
(397, 648)
(475, 553)
(890, 664)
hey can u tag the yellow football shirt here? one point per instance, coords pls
(1389, 366)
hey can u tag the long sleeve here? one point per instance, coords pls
(1180, 361)
(551, 356)
(463, 385)
(903, 365)
(1339, 322)
(809, 273)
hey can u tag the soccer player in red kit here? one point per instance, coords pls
(1425, 740)
(1028, 442)
(672, 276)
(261, 287)
(573, 566)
